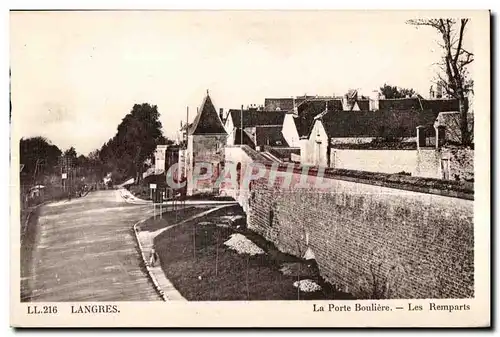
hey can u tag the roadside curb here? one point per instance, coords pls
(28, 217)
(137, 201)
(146, 264)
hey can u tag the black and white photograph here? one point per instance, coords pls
(329, 160)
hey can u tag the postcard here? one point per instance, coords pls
(251, 168)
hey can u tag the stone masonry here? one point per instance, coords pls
(372, 241)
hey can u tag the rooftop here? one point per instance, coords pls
(207, 120)
(254, 117)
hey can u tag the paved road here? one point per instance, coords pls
(85, 250)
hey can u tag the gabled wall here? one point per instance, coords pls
(290, 132)
(314, 149)
(230, 129)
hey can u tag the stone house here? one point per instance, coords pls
(410, 141)
(335, 128)
(206, 138)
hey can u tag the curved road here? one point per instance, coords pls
(85, 250)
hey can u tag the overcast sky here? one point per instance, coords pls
(75, 75)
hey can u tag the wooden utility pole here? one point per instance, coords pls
(187, 124)
(241, 125)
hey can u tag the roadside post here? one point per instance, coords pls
(64, 176)
(152, 188)
(160, 200)
(169, 195)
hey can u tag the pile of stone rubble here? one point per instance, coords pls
(307, 286)
(242, 245)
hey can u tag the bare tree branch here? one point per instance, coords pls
(463, 22)
(455, 60)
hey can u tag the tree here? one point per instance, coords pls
(71, 152)
(453, 76)
(390, 91)
(38, 155)
(136, 139)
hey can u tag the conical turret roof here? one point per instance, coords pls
(207, 120)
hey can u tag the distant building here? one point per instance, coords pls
(255, 128)
(159, 157)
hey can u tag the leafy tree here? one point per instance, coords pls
(390, 91)
(454, 75)
(137, 136)
(37, 154)
(71, 152)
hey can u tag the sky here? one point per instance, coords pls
(75, 75)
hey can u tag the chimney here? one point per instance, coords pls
(295, 110)
(374, 100)
(221, 113)
(439, 90)
(345, 105)
(431, 92)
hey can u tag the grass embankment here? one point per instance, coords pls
(202, 268)
(171, 217)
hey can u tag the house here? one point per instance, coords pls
(334, 127)
(413, 141)
(165, 157)
(255, 128)
(159, 159)
(299, 120)
(450, 122)
(206, 138)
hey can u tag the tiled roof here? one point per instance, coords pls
(207, 121)
(310, 109)
(247, 139)
(284, 104)
(283, 152)
(436, 105)
(364, 104)
(400, 104)
(255, 117)
(269, 135)
(381, 123)
(441, 105)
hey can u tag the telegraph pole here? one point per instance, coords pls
(241, 126)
